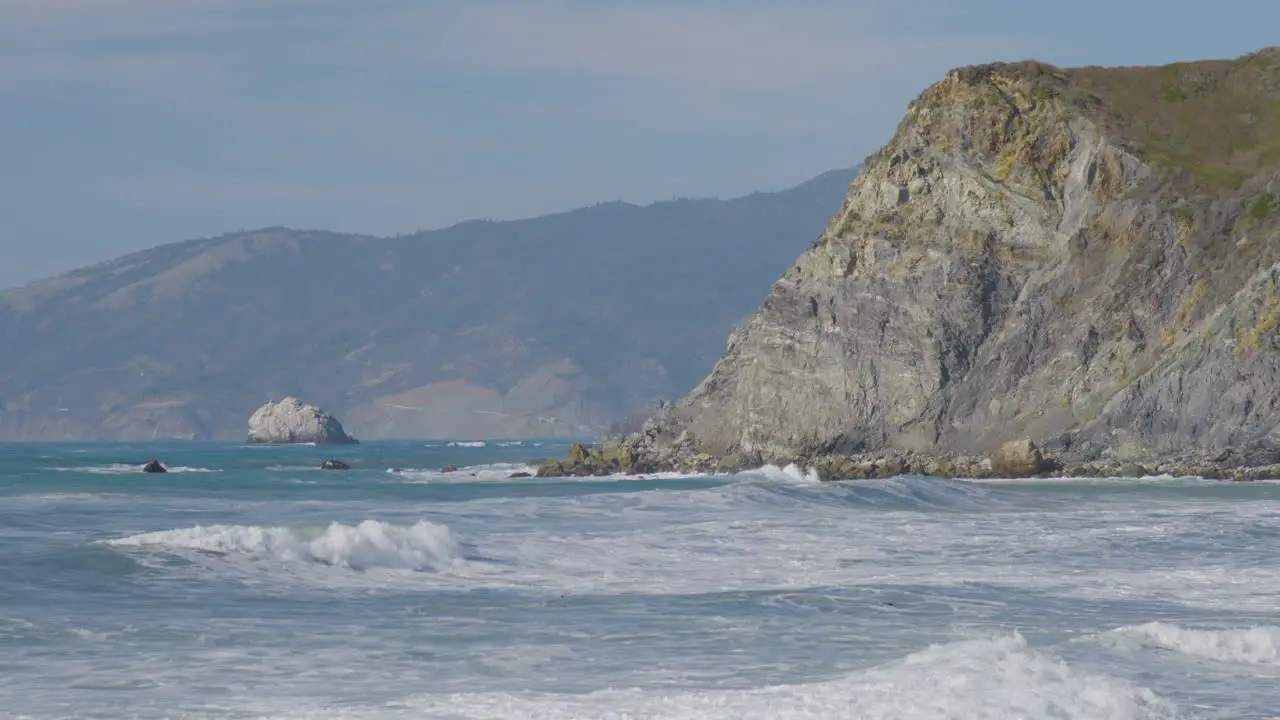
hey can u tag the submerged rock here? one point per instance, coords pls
(332, 464)
(153, 466)
(292, 421)
(519, 475)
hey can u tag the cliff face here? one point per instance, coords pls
(1087, 257)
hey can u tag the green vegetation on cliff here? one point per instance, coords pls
(1089, 257)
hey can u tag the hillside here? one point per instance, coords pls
(556, 325)
(1087, 257)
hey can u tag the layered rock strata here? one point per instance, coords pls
(1088, 259)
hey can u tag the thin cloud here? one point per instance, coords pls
(719, 47)
(819, 50)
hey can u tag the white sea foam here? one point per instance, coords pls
(746, 536)
(980, 679)
(791, 474)
(470, 444)
(371, 544)
(1093, 480)
(494, 471)
(124, 469)
(1258, 645)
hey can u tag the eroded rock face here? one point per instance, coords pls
(1022, 260)
(292, 421)
(1017, 458)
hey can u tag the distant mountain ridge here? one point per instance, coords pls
(556, 325)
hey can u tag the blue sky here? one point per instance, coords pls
(129, 123)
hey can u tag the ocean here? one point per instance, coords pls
(249, 584)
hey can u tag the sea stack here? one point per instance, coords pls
(291, 421)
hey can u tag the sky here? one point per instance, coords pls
(125, 124)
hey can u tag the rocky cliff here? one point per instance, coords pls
(1087, 257)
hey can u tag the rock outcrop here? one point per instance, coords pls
(292, 421)
(1017, 458)
(154, 466)
(1088, 258)
(332, 464)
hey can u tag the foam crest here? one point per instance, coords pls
(371, 544)
(992, 678)
(469, 444)
(1258, 645)
(791, 474)
(123, 469)
(495, 471)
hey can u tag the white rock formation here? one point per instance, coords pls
(292, 421)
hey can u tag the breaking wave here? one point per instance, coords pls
(370, 544)
(124, 469)
(791, 474)
(1258, 645)
(495, 471)
(992, 678)
(471, 444)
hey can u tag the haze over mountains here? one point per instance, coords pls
(555, 325)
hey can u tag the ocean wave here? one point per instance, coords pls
(368, 545)
(125, 469)
(791, 474)
(1258, 645)
(470, 444)
(988, 678)
(471, 473)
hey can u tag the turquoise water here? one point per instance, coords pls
(247, 584)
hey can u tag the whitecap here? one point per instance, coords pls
(471, 444)
(791, 474)
(126, 469)
(1257, 645)
(370, 544)
(989, 678)
(471, 473)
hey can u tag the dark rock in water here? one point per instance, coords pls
(520, 475)
(449, 469)
(551, 468)
(153, 466)
(1132, 470)
(332, 464)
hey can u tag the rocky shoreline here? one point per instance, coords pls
(1016, 459)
